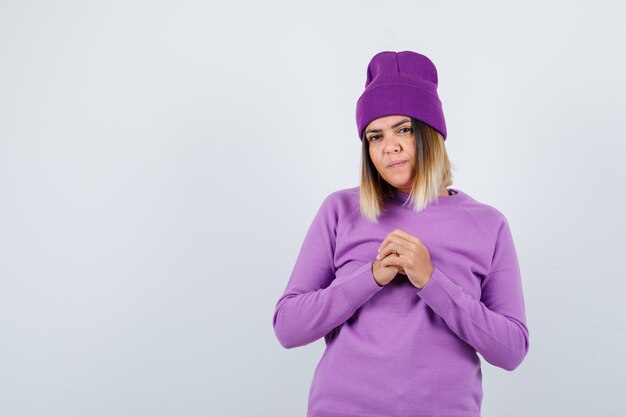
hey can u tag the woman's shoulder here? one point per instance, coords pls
(342, 203)
(343, 199)
(486, 215)
(345, 194)
(472, 203)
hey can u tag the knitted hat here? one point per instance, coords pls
(403, 83)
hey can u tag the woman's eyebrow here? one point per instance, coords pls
(394, 126)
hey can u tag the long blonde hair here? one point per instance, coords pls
(431, 172)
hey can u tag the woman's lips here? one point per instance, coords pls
(397, 165)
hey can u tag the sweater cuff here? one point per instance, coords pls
(362, 284)
(436, 292)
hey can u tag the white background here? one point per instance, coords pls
(161, 161)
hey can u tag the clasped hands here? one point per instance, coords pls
(402, 253)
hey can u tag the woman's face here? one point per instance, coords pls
(391, 139)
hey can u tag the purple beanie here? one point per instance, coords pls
(403, 83)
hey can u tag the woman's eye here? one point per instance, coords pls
(405, 129)
(373, 138)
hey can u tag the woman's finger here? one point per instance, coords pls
(398, 236)
(389, 248)
(392, 260)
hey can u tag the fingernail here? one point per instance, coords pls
(377, 256)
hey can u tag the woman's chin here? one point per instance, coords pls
(400, 181)
(401, 185)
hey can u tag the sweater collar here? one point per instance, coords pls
(441, 200)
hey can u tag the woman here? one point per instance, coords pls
(406, 279)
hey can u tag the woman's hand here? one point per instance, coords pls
(408, 254)
(383, 275)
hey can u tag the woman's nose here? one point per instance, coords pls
(392, 146)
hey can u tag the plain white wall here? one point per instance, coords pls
(161, 161)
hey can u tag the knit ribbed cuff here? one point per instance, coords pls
(436, 292)
(366, 274)
(362, 286)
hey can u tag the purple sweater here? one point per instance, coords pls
(397, 350)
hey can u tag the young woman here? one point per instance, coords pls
(405, 278)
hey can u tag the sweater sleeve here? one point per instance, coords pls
(495, 325)
(314, 302)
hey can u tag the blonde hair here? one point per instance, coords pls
(431, 172)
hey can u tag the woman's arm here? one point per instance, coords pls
(314, 302)
(495, 325)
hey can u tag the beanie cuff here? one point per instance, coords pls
(400, 99)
